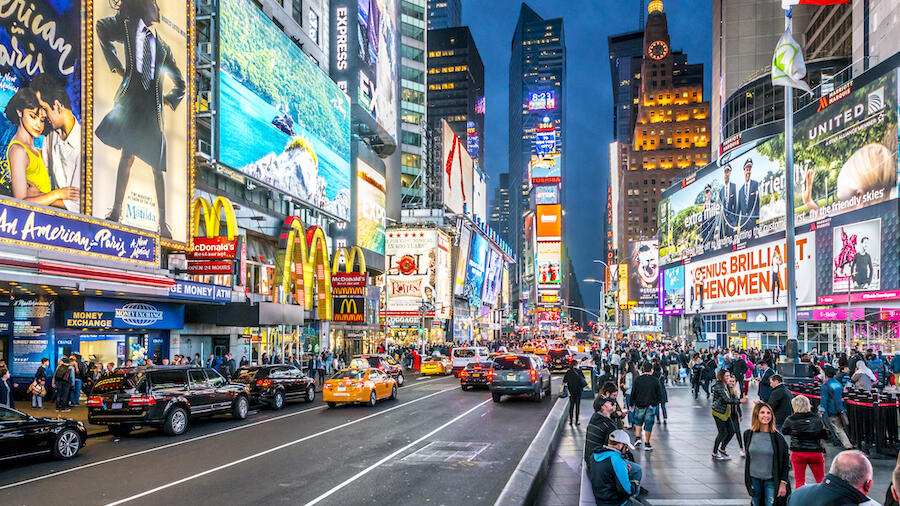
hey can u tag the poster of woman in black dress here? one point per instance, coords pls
(141, 134)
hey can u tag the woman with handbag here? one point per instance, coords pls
(574, 382)
(768, 461)
(723, 404)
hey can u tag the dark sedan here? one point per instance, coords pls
(560, 359)
(476, 374)
(272, 385)
(23, 436)
(520, 375)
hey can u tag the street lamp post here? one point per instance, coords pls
(603, 323)
(600, 321)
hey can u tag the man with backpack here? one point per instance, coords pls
(62, 385)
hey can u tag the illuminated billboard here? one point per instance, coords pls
(410, 259)
(476, 269)
(370, 202)
(462, 262)
(751, 278)
(492, 278)
(644, 269)
(457, 173)
(541, 100)
(377, 32)
(671, 291)
(479, 194)
(546, 194)
(549, 263)
(443, 298)
(546, 169)
(141, 115)
(549, 221)
(282, 120)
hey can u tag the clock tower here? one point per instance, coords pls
(657, 55)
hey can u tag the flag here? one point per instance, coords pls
(786, 4)
(788, 68)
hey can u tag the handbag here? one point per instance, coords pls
(845, 420)
(564, 391)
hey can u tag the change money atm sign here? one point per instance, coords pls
(349, 297)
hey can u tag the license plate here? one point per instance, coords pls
(341, 389)
(116, 405)
(476, 375)
(511, 377)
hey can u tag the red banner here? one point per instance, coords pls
(210, 267)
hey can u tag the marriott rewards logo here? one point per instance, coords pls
(139, 314)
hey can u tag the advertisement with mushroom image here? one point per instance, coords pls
(141, 115)
(282, 120)
(40, 136)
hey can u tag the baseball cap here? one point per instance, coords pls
(620, 436)
(604, 400)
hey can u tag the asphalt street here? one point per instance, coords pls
(436, 444)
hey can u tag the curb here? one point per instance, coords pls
(523, 486)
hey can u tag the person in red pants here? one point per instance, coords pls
(807, 432)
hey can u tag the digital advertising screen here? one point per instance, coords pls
(370, 202)
(541, 100)
(443, 304)
(549, 221)
(492, 278)
(546, 169)
(378, 60)
(545, 140)
(546, 194)
(644, 269)
(476, 272)
(410, 259)
(549, 263)
(462, 262)
(282, 120)
(141, 115)
(671, 291)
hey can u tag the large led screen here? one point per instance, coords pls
(443, 298)
(671, 291)
(462, 262)
(549, 221)
(492, 278)
(410, 259)
(282, 120)
(476, 271)
(549, 263)
(546, 169)
(141, 115)
(457, 173)
(644, 269)
(541, 100)
(378, 60)
(370, 202)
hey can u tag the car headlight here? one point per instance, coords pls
(80, 425)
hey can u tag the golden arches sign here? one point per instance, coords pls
(212, 217)
(349, 260)
(302, 266)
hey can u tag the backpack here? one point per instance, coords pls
(61, 373)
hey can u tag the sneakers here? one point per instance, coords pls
(721, 456)
(648, 447)
(638, 443)
(742, 453)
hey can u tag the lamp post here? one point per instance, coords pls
(609, 274)
(600, 320)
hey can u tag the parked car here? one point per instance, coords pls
(272, 385)
(22, 435)
(359, 385)
(520, 374)
(167, 397)
(476, 374)
(379, 361)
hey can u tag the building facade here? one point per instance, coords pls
(413, 97)
(444, 14)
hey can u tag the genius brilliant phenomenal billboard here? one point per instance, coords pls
(281, 120)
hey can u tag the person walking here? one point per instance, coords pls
(723, 404)
(780, 400)
(863, 378)
(830, 401)
(739, 370)
(575, 382)
(698, 371)
(62, 385)
(615, 360)
(6, 396)
(38, 388)
(767, 464)
(664, 398)
(646, 395)
(848, 482)
(626, 383)
(737, 413)
(808, 433)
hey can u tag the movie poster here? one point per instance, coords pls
(378, 60)
(644, 269)
(41, 79)
(671, 291)
(141, 115)
(856, 256)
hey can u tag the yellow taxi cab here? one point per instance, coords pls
(528, 347)
(540, 348)
(432, 365)
(359, 385)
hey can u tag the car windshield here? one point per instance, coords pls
(463, 353)
(245, 374)
(359, 363)
(512, 363)
(117, 382)
(354, 374)
(168, 379)
(558, 353)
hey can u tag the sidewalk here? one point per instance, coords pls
(679, 470)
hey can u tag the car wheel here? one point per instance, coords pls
(332, 404)
(176, 422)
(310, 394)
(240, 408)
(495, 397)
(394, 393)
(66, 444)
(464, 387)
(400, 380)
(538, 395)
(120, 429)
(372, 398)
(277, 400)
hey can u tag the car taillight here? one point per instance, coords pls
(94, 401)
(142, 400)
(264, 383)
(462, 373)
(533, 374)
(490, 375)
(570, 358)
(547, 358)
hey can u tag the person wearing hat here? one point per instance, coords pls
(600, 426)
(728, 199)
(612, 476)
(748, 198)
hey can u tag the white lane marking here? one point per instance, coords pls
(392, 455)
(696, 502)
(177, 443)
(274, 449)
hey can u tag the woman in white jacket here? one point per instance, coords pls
(863, 378)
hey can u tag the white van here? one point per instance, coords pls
(464, 355)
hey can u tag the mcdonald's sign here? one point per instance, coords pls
(212, 253)
(302, 267)
(349, 292)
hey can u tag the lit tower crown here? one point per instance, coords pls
(655, 6)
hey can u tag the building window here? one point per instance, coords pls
(313, 26)
(297, 11)
(411, 160)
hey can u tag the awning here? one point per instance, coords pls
(761, 326)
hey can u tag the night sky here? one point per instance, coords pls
(587, 24)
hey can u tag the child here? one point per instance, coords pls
(37, 393)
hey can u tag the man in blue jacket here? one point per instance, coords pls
(610, 474)
(833, 406)
(895, 368)
(765, 376)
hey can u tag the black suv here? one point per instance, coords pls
(166, 397)
(379, 361)
(273, 384)
(560, 359)
(520, 374)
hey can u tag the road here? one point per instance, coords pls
(436, 444)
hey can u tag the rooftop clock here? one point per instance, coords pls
(658, 50)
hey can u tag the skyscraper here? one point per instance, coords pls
(412, 102)
(499, 220)
(444, 14)
(537, 73)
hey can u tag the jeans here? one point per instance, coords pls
(62, 394)
(816, 463)
(646, 417)
(630, 412)
(75, 392)
(662, 407)
(763, 491)
(574, 405)
(37, 401)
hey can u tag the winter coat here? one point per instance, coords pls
(807, 430)
(780, 401)
(721, 400)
